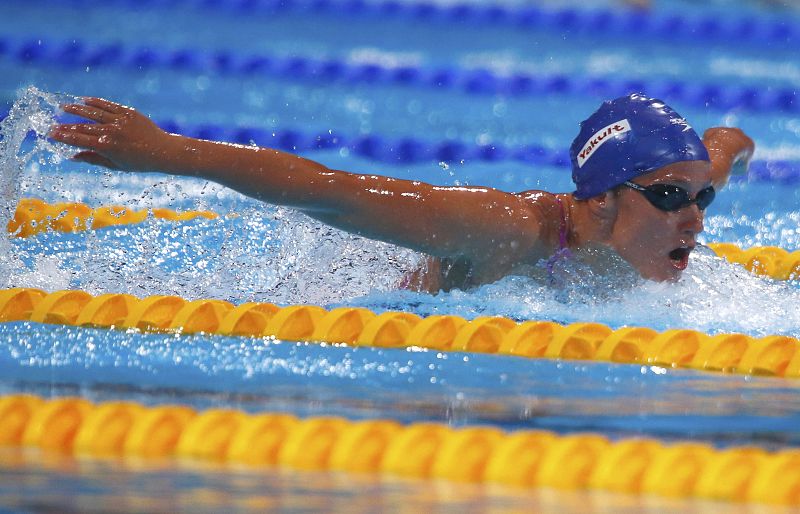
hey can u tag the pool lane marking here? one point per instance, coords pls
(423, 450)
(618, 22)
(410, 150)
(775, 355)
(33, 216)
(485, 82)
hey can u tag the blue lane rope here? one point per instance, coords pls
(410, 150)
(633, 23)
(80, 54)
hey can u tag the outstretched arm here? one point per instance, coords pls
(480, 224)
(730, 150)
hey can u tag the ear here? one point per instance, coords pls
(603, 209)
(603, 206)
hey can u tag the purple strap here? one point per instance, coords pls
(562, 230)
(563, 251)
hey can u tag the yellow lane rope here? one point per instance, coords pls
(34, 216)
(525, 459)
(767, 261)
(774, 355)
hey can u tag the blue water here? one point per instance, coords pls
(413, 384)
(272, 254)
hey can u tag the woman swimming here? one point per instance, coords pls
(643, 179)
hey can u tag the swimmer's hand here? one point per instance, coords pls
(120, 137)
(730, 150)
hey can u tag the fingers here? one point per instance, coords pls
(84, 128)
(94, 158)
(86, 135)
(90, 113)
(75, 138)
(97, 109)
(105, 105)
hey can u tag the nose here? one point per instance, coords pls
(691, 219)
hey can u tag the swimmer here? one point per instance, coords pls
(643, 181)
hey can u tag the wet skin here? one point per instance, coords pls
(654, 242)
(646, 236)
(492, 233)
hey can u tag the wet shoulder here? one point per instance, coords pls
(553, 210)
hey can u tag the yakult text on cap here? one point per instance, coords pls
(600, 137)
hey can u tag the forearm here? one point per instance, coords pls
(727, 148)
(266, 174)
(398, 211)
(122, 138)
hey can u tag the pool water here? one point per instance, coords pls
(256, 252)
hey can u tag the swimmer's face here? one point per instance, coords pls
(658, 243)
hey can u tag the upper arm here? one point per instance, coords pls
(477, 223)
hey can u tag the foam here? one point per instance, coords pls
(712, 296)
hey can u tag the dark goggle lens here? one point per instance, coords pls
(704, 197)
(672, 198)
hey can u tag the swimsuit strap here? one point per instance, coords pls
(562, 229)
(563, 251)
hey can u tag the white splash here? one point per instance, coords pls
(712, 296)
(34, 113)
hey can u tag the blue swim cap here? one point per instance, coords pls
(628, 137)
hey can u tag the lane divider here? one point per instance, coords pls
(773, 355)
(622, 23)
(33, 216)
(767, 261)
(76, 53)
(422, 450)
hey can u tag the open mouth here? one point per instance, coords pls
(680, 257)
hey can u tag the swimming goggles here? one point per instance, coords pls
(673, 198)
